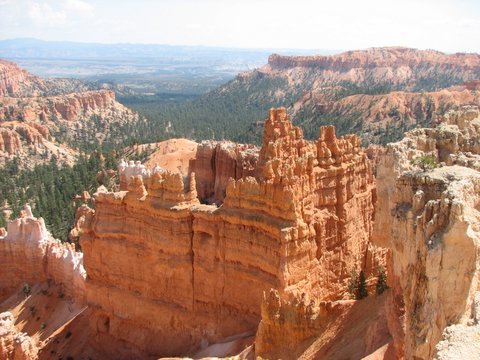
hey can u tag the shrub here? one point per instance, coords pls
(26, 289)
(362, 286)
(353, 284)
(381, 281)
(425, 162)
(358, 285)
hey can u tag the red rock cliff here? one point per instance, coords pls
(39, 117)
(17, 82)
(216, 162)
(29, 255)
(377, 57)
(11, 78)
(429, 218)
(167, 274)
(31, 128)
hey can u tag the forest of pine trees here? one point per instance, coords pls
(50, 189)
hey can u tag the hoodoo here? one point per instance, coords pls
(167, 274)
(259, 254)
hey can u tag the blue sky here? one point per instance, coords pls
(445, 25)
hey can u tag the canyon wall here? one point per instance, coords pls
(428, 216)
(44, 117)
(11, 78)
(30, 255)
(216, 162)
(68, 107)
(168, 275)
(33, 129)
(373, 60)
(17, 82)
(394, 111)
(376, 93)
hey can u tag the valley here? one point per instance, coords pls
(378, 93)
(164, 273)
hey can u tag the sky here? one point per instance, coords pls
(445, 25)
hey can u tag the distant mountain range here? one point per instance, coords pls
(74, 59)
(34, 48)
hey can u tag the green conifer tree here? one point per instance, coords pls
(362, 286)
(353, 284)
(381, 281)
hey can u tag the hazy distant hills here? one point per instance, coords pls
(145, 68)
(34, 48)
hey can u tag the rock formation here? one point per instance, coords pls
(11, 78)
(384, 115)
(68, 107)
(382, 65)
(216, 162)
(429, 219)
(170, 276)
(14, 344)
(305, 328)
(30, 255)
(200, 271)
(173, 154)
(44, 117)
(10, 142)
(17, 82)
(377, 93)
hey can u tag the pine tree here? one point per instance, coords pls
(353, 285)
(362, 286)
(381, 281)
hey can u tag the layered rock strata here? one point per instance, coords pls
(167, 274)
(33, 129)
(305, 328)
(216, 162)
(429, 219)
(68, 107)
(389, 64)
(11, 78)
(30, 255)
(17, 82)
(44, 117)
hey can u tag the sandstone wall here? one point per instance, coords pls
(35, 127)
(216, 162)
(17, 82)
(68, 107)
(167, 274)
(11, 78)
(373, 58)
(14, 344)
(429, 219)
(29, 255)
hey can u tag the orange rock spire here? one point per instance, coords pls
(161, 265)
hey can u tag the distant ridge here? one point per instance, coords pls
(34, 48)
(376, 57)
(377, 93)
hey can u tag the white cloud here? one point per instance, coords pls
(79, 6)
(447, 25)
(43, 14)
(51, 13)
